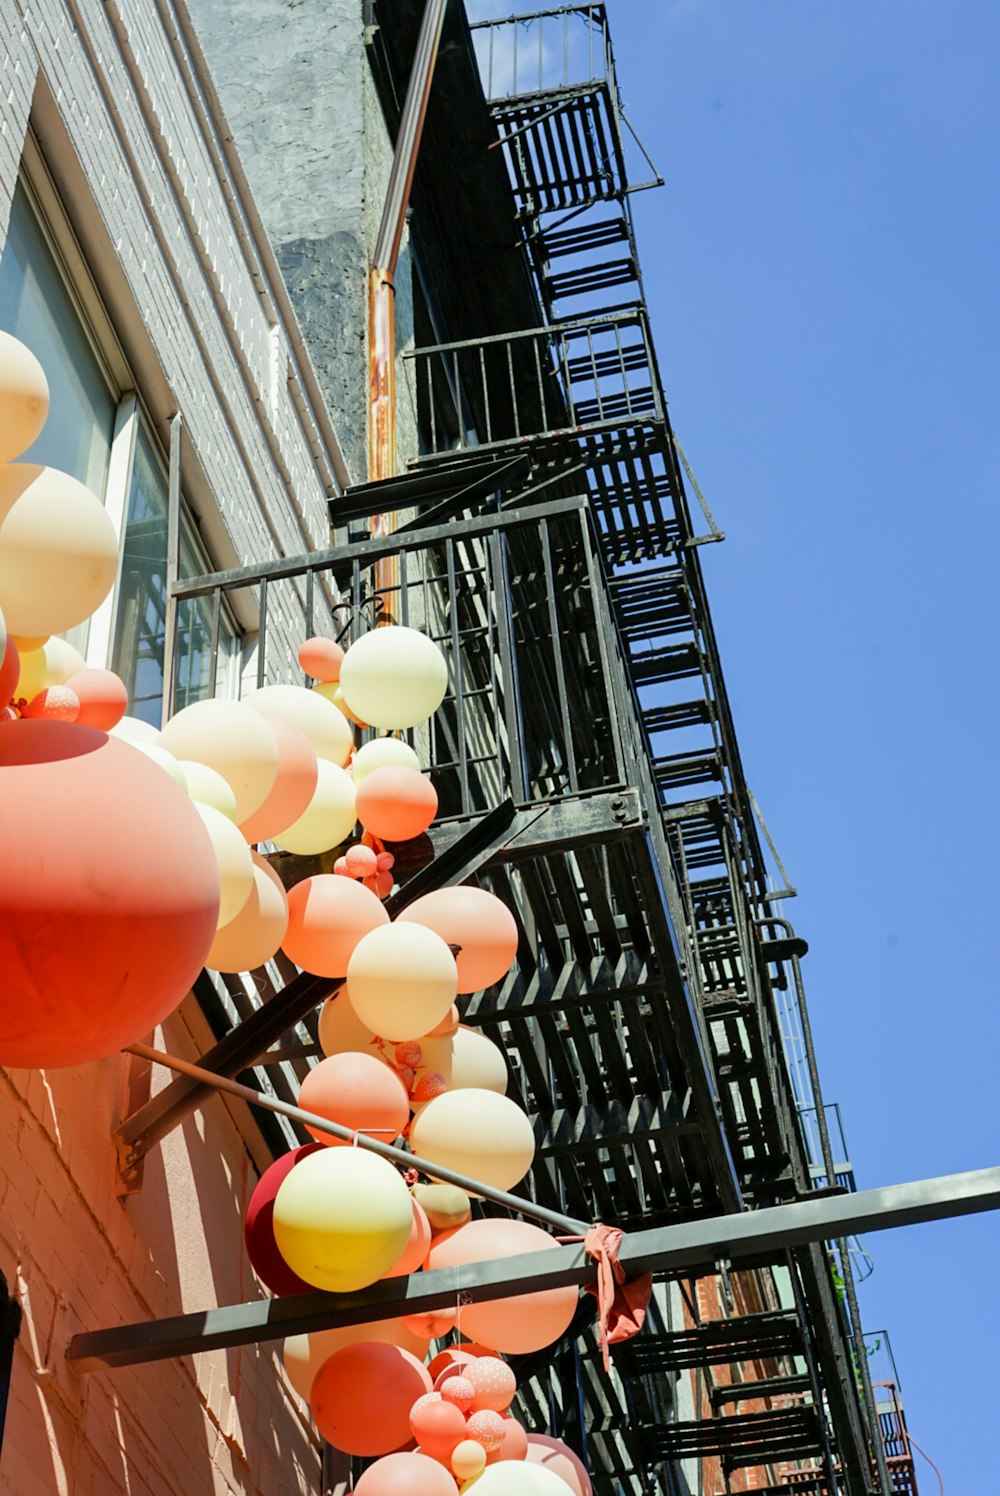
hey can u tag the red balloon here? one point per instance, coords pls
(294, 783)
(361, 1398)
(359, 1092)
(405, 1475)
(54, 704)
(258, 1229)
(437, 1428)
(109, 894)
(477, 921)
(417, 1247)
(103, 698)
(10, 669)
(554, 1455)
(396, 803)
(514, 1446)
(321, 658)
(327, 916)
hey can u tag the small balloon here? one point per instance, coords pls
(54, 704)
(487, 1429)
(320, 658)
(360, 1093)
(445, 1205)
(493, 1385)
(103, 698)
(438, 1427)
(468, 1459)
(458, 1390)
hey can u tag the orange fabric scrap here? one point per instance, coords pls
(621, 1303)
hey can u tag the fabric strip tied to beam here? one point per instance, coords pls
(621, 1302)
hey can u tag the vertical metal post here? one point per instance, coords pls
(336, 1478)
(10, 1328)
(508, 670)
(170, 661)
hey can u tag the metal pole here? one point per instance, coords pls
(170, 661)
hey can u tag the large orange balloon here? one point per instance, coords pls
(109, 894)
(303, 1355)
(477, 921)
(555, 1456)
(327, 916)
(528, 1322)
(361, 1398)
(411, 1474)
(396, 803)
(359, 1092)
(293, 786)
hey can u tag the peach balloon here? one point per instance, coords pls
(515, 1443)
(257, 931)
(526, 1322)
(432, 1325)
(321, 658)
(103, 698)
(400, 979)
(437, 1427)
(329, 817)
(445, 1205)
(231, 739)
(341, 1029)
(467, 1060)
(360, 1093)
(58, 550)
(556, 1457)
(477, 1133)
(493, 1384)
(24, 397)
(303, 1355)
(294, 784)
(468, 1460)
(327, 918)
(362, 1396)
(416, 1249)
(322, 724)
(477, 921)
(410, 1474)
(396, 803)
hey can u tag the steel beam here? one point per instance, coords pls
(691, 1246)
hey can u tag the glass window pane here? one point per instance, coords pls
(36, 306)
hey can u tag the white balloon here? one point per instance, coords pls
(326, 728)
(134, 730)
(231, 739)
(516, 1478)
(166, 761)
(208, 787)
(382, 753)
(394, 677)
(24, 399)
(233, 857)
(329, 817)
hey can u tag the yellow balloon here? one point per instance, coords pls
(444, 1205)
(51, 665)
(231, 739)
(468, 1060)
(24, 398)
(233, 857)
(401, 980)
(394, 677)
(329, 817)
(58, 550)
(382, 753)
(342, 1218)
(341, 1030)
(252, 938)
(134, 730)
(468, 1459)
(166, 761)
(305, 1354)
(477, 1133)
(208, 787)
(326, 728)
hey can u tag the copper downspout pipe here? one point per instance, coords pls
(381, 290)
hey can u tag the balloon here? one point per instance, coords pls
(305, 1354)
(255, 934)
(58, 550)
(359, 1092)
(294, 784)
(477, 1133)
(232, 854)
(396, 803)
(323, 725)
(10, 669)
(166, 761)
(382, 753)
(405, 1475)
(526, 1322)
(468, 1459)
(447, 1026)
(233, 740)
(477, 921)
(437, 1427)
(487, 1429)
(419, 1244)
(515, 1443)
(327, 918)
(321, 658)
(134, 730)
(362, 1396)
(467, 1060)
(401, 979)
(394, 677)
(451, 1361)
(24, 397)
(208, 787)
(517, 1478)
(329, 817)
(109, 895)
(258, 1228)
(103, 697)
(335, 696)
(458, 1390)
(54, 704)
(445, 1205)
(432, 1325)
(493, 1384)
(341, 1029)
(342, 1219)
(54, 663)
(557, 1458)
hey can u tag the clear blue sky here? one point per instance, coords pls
(823, 268)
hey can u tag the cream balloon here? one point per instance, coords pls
(255, 934)
(401, 980)
(342, 1218)
(304, 1354)
(329, 818)
(233, 857)
(135, 730)
(208, 787)
(231, 739)
(394, 677)
(58, 550)
(468, 1060)
(382, 753)
(327, 729)
(51, 665)
(477, 1133)
(516, 1478)
(166, 761)
(24, 399)
(341, 1030)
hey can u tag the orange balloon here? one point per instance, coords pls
(417, 1247)
(103, 698)
(527, 1322)
(437, 1427)
(396, 803)
(321, 658)
(493, 1384)
(361, 1398)
(109, 894)
(432, 1325)
(359, 1092)
(294, 784)
(514, 1446)
(327, 916)
(557, 1457)
(449, 1023)
(405, 1475)
(477, 921)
